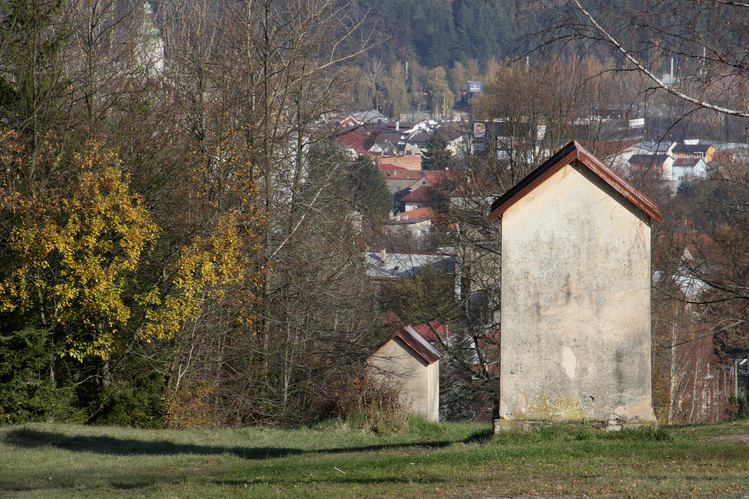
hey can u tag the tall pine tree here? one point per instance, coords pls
(437, 155)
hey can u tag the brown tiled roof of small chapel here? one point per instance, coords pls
(565, 156)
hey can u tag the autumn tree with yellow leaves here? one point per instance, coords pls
(72, 249)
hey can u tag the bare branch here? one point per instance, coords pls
(659, 82)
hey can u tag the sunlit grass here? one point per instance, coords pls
(331, 460)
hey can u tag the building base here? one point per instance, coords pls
(527, 425)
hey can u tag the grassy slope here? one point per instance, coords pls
(449, 460)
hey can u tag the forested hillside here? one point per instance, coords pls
(439, 32)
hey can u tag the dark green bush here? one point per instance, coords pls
(138, 404)
(27, 391)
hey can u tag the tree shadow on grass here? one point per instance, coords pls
(31, 438)
(340, 480)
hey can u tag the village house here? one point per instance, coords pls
(424, 180)
(694, 149)
(685, 169)
(386, 144)
(674, 163)
(355, 142)
(661, 165)
(413, 225)
(416, 194)
(456, 140)
(398, 178)
(358, 119)
(417, 198)
(619, 158)
(575, 296)
(410, 139)
(418, 141)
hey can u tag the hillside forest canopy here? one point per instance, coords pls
(181, 237)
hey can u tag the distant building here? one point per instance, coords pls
(686, 169)
(386, 266)
(408, 362)
(693, 149)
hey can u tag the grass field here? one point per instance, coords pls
(330, 461)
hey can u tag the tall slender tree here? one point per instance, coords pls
(437, 156)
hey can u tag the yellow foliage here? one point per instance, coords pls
(205, 270)
(78, 235)
(75, 246)
(220, 267)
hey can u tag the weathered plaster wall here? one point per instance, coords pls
(416, 381)
(575, 304)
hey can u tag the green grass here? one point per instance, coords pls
(330, 460)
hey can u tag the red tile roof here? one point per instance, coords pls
(431, 330)
(420, 195)
(389, 166)
(417, 214)
(359, 140)
(438, 176)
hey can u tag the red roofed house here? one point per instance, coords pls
(416, 199)
(423, 180)
(575, 296)
(398, 178)
(416, 214)
(415, 224)
(410, 363)
(356, 141)
(438, 176)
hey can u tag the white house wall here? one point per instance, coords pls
(575, 305)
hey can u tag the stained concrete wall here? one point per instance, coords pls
(417, 381)
(575, 305)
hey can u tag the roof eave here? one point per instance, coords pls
(573, 151)
(430, 357)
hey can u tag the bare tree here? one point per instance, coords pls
(530, 110)
(255, 80)
(694, 51)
